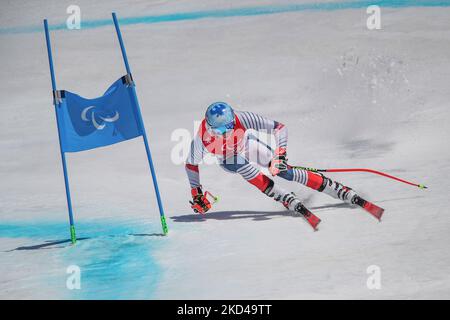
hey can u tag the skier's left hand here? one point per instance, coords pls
(279, 162)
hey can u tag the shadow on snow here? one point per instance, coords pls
(53, 244)
(254, 215)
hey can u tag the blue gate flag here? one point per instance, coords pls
(91, 123)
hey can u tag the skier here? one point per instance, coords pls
(225, 134)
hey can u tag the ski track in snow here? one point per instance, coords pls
(349, 96)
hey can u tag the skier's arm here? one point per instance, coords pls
(195, 156)
(256, 122)
(199, 203)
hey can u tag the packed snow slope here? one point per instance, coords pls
(350, 97)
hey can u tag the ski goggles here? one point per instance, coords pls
(220, 130)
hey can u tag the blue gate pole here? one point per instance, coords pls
(141, 123)
(63, 157)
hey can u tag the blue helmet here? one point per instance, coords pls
(219, 118)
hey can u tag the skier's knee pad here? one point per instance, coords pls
(262, 182)
(316, 181)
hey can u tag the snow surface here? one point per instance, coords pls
(350, 97)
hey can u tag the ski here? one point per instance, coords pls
(373, 209)
(312, 219)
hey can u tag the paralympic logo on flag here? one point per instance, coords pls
(93, 117)
(90, 123)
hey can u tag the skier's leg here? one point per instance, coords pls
(257, 151)
(260, 153)
(320, 183)
(254, 176)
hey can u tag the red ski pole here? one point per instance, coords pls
(421, 186)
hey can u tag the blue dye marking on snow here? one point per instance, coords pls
(115, 258)
(239, 12)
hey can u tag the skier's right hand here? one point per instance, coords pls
(279, 162)
(200, 204)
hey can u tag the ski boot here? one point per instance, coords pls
(292, 203)
(339, 191)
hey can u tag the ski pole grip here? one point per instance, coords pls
(216, 199)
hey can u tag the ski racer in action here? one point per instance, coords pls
(226, 134)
